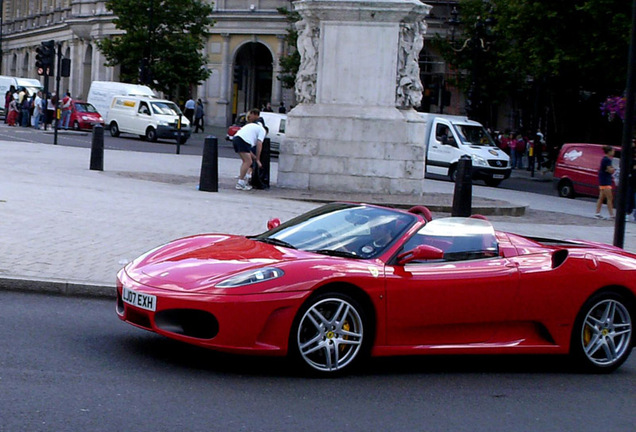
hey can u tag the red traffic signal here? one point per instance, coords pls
(45, 58)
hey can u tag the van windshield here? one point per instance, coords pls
(165, 108)
(474, 135)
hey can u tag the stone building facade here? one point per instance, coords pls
(243, 50)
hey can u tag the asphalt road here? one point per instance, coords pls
(69, 364)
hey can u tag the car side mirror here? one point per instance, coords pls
(273, 223)
(420, 253)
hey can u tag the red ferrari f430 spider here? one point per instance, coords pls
(346, 281)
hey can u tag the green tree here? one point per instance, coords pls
(290, 62)
(563, 57)
(160, 43)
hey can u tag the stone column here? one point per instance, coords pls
(355, 128)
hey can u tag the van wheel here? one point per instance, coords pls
(452, 173)
(114, 129)
(151, 134)
(182, 140)
(565, 188)
(492, 182)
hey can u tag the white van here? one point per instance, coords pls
(147, 117)
(31, 85)
(101, 93)
(450, 137)
(276, 123)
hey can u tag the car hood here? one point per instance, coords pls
(199, 262)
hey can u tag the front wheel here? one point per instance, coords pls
(492, 182)
(329, 334)
(602, 335)
(76, 125)
(151, 134)
(114, 130)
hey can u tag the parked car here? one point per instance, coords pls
(348, 280)
(84, 116)
(576, 169)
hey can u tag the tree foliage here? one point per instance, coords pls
(290, 62)
(167, 35)
(562, 54)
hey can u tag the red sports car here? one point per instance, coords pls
(347, 280)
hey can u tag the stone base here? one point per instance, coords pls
(352, 149)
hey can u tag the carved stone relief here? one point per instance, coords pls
(409, 87)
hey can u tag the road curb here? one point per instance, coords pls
(57, 286)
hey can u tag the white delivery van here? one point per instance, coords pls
(276, 123)
(31, 85)
(450, 137)
(147, 117)
(101, 93)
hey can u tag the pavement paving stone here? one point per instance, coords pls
(68, 230)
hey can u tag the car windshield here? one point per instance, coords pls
(165, 108)
(85, 107)
(340, 229)
(474, 135)
(458, 238)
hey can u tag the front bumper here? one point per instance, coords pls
(253, 324)
(172, 132)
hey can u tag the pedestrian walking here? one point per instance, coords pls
(198, 117)
(12, 118)
(248, 143)
(605, 181)
(518, 151)
(67, 102)
(37, 110)
(189, 110)
(50, 109)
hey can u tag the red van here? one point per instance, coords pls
(576, 169)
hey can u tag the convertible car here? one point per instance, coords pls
(347, 281)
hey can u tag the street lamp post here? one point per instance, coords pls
(478, 43)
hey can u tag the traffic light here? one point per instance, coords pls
(45, 58)
(238, 76)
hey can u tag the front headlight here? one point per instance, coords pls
(163, 123)
(251, 277)
(479, 161)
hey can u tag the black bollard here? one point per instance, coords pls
(260, 176)
(209, 179)
(462, 198)
(97, 149)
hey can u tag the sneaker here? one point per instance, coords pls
(243, 186)
(598, 216)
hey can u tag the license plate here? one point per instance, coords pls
(140, 300)
(498, 176)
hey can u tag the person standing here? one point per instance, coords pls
(189, 110)
(248, 143)
(198, 117)
(281, 108)
(37, 110)
(605, 182)
(67, 102)
(50, 109)
(12, 118)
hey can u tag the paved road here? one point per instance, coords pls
(69, 364)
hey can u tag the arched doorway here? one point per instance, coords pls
(252, 77)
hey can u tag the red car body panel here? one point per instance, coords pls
(83, 118)
(523, 301)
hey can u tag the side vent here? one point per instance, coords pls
(559, 257)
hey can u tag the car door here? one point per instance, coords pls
(449, 303)
(442, 148)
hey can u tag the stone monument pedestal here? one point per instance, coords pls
(355, 129)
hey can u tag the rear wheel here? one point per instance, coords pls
(329, 334)
(602, 335)
(151, 134)
(452, 173)
(114, 129)
(565, 188)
